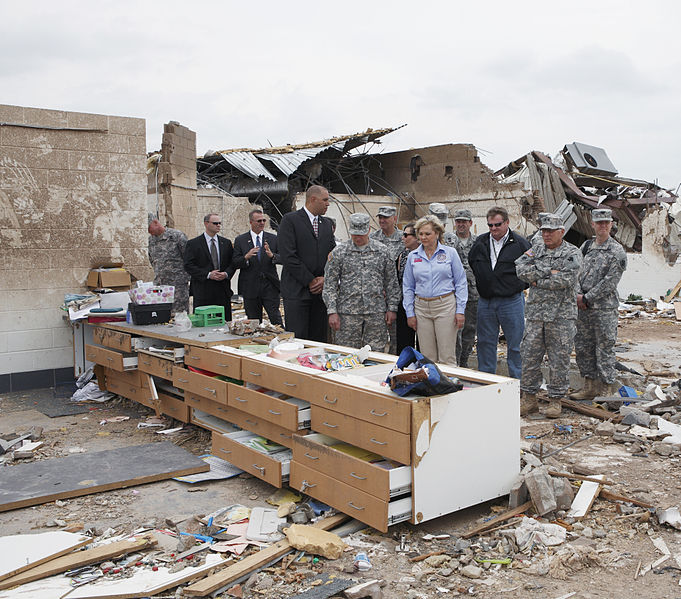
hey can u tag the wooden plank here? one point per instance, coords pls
(253, 562)
(580, 477)
(605, 494)
(77, 559)
(197, 336)
(585, 497)
(82, 474)
(590, 410)
(23, 552)
(673, 292)
(497, 519)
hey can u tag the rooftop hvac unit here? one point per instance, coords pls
(590, 159)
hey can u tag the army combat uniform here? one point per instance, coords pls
(550, 315)
(602, 270)
(166, 254)
(465, 339)
(395, 246)
(360, 285)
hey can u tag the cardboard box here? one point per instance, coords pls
(118, 278)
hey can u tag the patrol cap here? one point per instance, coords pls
(385, 211)
(463, 214)
(552, 221)
(601, 214)
(359, 224)
(438, 209)
(151, 217)
(541, 216)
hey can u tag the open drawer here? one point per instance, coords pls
(207, 386)
(278, 376)
(381, 478)
(287, 412)
(273, 468)
(110, 358)
(365, 507)
(213, 360)
(156, 365)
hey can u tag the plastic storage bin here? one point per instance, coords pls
(208, 316)
(150, 313)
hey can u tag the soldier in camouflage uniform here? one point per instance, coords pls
(604, 262)
(360, 288)
(551, 314)
(440, 211)
(166, 254)
(463, 241)
(391, 237)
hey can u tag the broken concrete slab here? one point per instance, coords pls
(315, 541)
(540, 488)
(370, 589)
(518, 493)
(562, 490)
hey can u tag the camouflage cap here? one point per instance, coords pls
(359, 224)
(552, 221)
(386, 211)
(438, 209)
(151, 217)
(541, 216)
(601, 214)
(463, 214)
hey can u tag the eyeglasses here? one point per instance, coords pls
(261, 220)
(215, 223)
(408, 234)
(493, 225)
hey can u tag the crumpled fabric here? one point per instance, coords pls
(531, 533)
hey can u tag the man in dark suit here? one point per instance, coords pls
(255, 255)
(208, 259)
(305, 240)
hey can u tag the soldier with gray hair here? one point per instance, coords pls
(604, 263)
(166, 255)
(551, 270)
(360, 288)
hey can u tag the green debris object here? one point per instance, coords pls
(504, 561)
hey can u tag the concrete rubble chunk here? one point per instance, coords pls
(540, 487)
(605, 429)
(315, 541)
(518, 493)
(471, 571)
(435, 561)
(634, 416)
(370, 588)
(562, 490)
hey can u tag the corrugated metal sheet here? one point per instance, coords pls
(248, 164)
(289, 162)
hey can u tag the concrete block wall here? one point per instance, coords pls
(72, 190)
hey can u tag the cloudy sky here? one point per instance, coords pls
(508, 77)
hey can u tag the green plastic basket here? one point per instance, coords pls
(208, 316)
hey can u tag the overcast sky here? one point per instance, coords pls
(508, 77)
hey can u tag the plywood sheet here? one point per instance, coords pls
(22, 552)
(81, 474)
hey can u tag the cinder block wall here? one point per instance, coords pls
(72, 189)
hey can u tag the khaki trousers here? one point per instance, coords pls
(436, 328)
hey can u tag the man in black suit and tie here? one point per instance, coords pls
(305, 241)
(208, 259)
(255, 255)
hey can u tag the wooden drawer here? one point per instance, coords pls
(316, 451)
(213, 361)
(155, 365)
(277, 378)
(110, 358)
(131, 377)
(113, 339)
(227, 447)
(200, 384)
(366, 508)
(388, 443)
(263, 427)
(371, 407)
(124, 389)
(277, 411)
(173, 407)
(209, 406)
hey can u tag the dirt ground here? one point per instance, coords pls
(618, 542)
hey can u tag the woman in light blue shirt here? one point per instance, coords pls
(435, 292)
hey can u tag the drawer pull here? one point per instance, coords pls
(225, 450)
(290, 384)
(274, 412)
(253, 422)
(354, 506)
(209, 389)
(378, 442)
(312, 457)
(357, 476)
(223, 365)
(327, 400)
(222, 409)
(183, 380)
(91, 356)
(285, 435)
(306, 485)
(109, 358)
(145, 362)
(195, 357)
(241, 400)
(377, 414)
(254, 373)
(332, 425)
(260, 469)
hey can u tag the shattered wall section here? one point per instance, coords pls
(72, 189)
(175, 202)
(233, 211)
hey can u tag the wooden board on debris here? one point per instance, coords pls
(85, 473)
(585, 497)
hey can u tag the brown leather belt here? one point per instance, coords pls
(437, 297)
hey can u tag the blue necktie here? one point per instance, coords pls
(257, 244)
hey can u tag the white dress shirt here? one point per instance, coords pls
(495, 247)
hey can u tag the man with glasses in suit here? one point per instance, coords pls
(501, 304)
(208, 260)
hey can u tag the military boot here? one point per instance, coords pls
(588, 391)
(528, 403)
(554, 409)
(608, 389)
